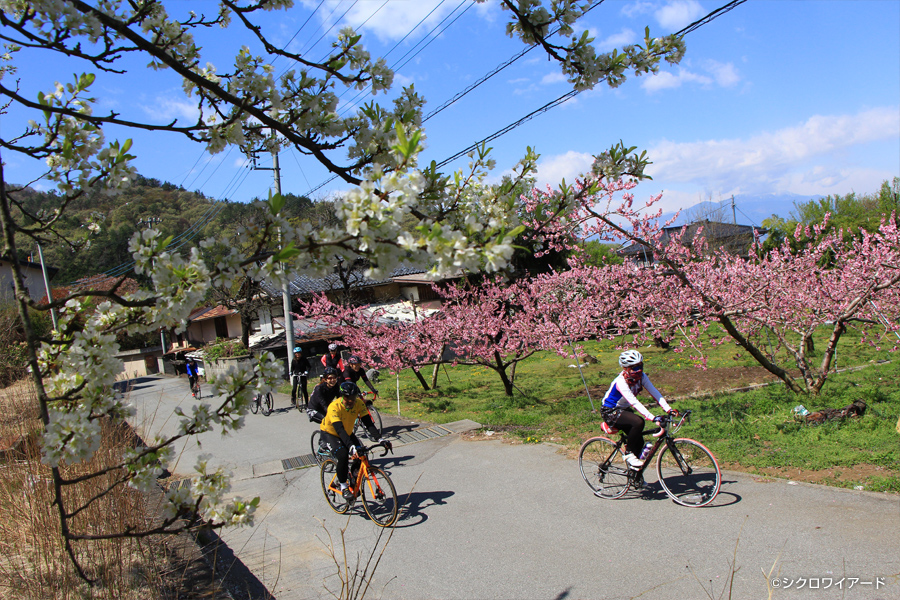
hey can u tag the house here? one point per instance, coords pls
(734, 239)
(34, 279)
(207, 323)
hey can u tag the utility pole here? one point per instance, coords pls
(148, 223)
(733, 211)
(285, 291)
(47, 287)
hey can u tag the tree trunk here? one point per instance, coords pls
(501, 371)
(421, 379)
(759, 356)
(434, 375)
(245, 330)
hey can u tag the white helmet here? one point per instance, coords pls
(332, 347)
(629, 358)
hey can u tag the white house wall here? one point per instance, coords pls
(34, 281)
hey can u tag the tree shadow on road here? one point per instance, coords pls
(413, 506)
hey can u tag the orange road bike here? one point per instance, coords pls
(366, 480)
(687, 470)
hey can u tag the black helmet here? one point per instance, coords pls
(350, 389)
(329, 371)
(354, 360)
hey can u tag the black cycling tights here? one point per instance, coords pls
(633, 426)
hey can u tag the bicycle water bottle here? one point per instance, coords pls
(646, 450)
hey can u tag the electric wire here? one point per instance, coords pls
(333, 25)
(353, 102)
(459, 95)
(568, 96)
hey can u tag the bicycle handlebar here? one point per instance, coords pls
(365, 449)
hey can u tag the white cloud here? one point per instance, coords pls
(617, 40)
(551, 78)
(805, 159)
(634, 9)
(677, 14)
(168, 109)
(395, 19)
(722, 74)
(552, 170)
(725, 74)
(667, 80)
(402, 81)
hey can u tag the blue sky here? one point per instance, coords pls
(774, 97)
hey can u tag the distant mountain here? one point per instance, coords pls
(748, 210)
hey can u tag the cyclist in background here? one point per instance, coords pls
(193, 373)
(354, 372)
(337, 430)
(333, 358)
(620, 404)
(323, 395)
(299, 372)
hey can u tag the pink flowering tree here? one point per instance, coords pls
(378, 342)
(784, 295)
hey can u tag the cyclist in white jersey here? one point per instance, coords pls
(621, 403)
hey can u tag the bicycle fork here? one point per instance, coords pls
(679, 459)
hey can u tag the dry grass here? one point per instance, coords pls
(33, 561)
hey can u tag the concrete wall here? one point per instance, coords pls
(139, 363)
(222, 366)
(34, 281)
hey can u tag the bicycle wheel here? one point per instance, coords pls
(688, 472)
(319, 454)
(379, 497)
(254, 404)
(267, 403)
(360, 430)
(328, 475)
(603, 467)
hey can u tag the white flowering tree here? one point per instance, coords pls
(460, 221)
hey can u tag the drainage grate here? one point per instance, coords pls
(418, 435)
(298, 462)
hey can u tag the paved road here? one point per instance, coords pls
(494, 520)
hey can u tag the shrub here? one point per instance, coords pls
(224, 348)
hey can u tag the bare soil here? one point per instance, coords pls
(693, 381)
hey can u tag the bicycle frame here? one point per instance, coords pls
(664, 439)
(370, 482)
(362, 473)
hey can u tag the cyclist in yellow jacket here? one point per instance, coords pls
(337, 430)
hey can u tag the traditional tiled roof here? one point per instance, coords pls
(212, 313)
(729, 236)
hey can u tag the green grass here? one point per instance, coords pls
(750, 431)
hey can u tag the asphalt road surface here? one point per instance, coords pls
(487, 519)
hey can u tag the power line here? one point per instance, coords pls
(429, 35)
(471, 87)
(568, 96)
